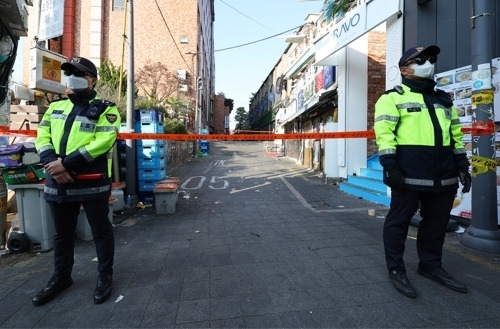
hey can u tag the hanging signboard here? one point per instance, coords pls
(51, 19)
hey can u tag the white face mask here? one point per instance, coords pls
(76, 84)
(425, 70)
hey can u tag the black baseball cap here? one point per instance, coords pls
(81, 64)
(417, 51)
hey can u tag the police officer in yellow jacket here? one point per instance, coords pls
(419, 139)
(75, 140)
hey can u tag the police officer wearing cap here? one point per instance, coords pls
(75, 140)
(420, 148)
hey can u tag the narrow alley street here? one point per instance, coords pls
(255, 242)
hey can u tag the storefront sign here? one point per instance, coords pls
(356, 23)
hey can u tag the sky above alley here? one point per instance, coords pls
(240, 71)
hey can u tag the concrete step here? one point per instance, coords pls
(372, 173)
(373, 162)
(366, 193)
(369, 183)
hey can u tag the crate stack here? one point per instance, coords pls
(204, 145)
(151, 153)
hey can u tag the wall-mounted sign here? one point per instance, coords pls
(51, 19)
(45, 71)
(355, 23)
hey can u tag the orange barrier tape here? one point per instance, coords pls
(479, 128)
(223, 137)
(483, 128)
(247, 137)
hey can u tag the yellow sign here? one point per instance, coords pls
(51, 69)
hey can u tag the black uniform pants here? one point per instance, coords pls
(65, 216)
(435, 211)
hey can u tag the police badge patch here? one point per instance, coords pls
(111, 118)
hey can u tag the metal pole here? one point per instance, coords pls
(116, 165)
(124, 36)
(131, 158)
(483, 233)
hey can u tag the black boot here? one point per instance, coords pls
(401, 283)
(54, 287)
(103, 288)
(442, 277)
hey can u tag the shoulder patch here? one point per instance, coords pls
(111, 118)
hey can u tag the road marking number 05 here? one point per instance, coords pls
(215, 184)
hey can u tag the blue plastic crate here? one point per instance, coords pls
(150, 127)
(149, 115)
(147, 185)
(150, 142)
(150, 162)
(151, 150)
(152, 174)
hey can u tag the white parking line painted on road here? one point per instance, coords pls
(297, 195)
(249, 188)
(312, 209)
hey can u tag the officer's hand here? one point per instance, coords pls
(465, 179)
(63, 178)
(393, 178)
(55, 167)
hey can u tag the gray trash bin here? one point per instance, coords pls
(35, 218)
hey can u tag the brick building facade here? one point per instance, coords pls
(176, 33)
(221, 115)
(376, 80)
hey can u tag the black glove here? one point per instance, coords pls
(393, 178)
(465, 179)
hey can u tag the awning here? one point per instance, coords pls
(323, 100)
(304, 58)
(355, 24)
(294, 38)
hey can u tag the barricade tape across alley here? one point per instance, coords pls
(480, 128)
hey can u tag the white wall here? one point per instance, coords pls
(394, 49)
(331, 151)
(352, 91)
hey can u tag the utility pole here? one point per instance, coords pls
(483, 233)
(130, 151)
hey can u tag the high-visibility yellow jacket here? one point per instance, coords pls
(81, 130)
(420, 135)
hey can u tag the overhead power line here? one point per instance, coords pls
(250, 18)
(249, 43)
(173, 39)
